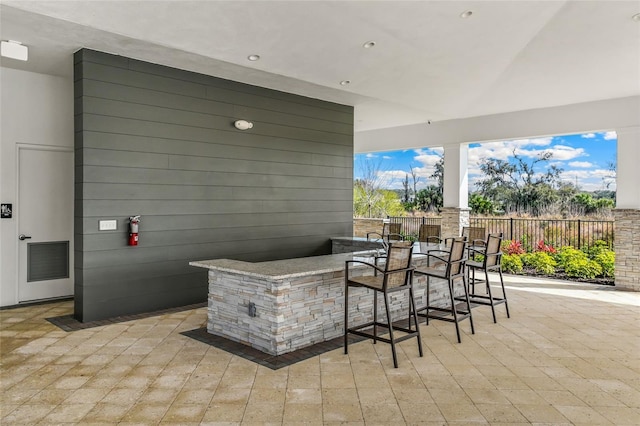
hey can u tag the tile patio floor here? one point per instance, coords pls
(570, 354)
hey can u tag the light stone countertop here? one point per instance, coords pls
(286, 268)
(292, 268)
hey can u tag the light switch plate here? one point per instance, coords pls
(108, 225)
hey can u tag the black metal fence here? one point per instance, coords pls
(556, 232)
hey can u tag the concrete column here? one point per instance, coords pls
(455, 213)
(627, 212)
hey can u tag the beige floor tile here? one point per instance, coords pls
(450, 396)
(302, 413)
(263, 412)
(340, 396)
(523, 396)
(382, 413)
(414, 396)
(296, 381)
(500, 413)
(582, 414)
(104, 412)
(146, 412)
(337, 381)
(222, 412)
(231, 395)
(373, 396)
(487, 396)
(27, 414)
(184, 413)
(192, 396)
(619, 415)
(560, 397)
(342, 413)
(542, 414)
(67, 413)
(461, 413)
(304, 396)
(418, 413)
(598, 398)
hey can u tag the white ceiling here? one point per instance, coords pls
(428, 62)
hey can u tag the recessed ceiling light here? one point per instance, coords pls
(369, 44)
(636, 17)
(466, 14)
(345, 82)
(253, 58)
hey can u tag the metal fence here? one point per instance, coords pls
(556, 232)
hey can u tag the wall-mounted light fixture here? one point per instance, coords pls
(243, 124)
(14, 50)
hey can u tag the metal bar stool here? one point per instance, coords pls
(450, 266)
(491, 261)
(397, 275)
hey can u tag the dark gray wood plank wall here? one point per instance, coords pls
(160, 142)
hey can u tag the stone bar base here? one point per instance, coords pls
(627, 248)
(292, 312)
(453, 220)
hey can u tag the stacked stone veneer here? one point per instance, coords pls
(362, 226)
(298, 312)
(627, 248)
(453, 220)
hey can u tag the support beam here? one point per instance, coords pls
(627, 212)
(455, 213)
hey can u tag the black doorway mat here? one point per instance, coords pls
(69, 323)
(273, 362)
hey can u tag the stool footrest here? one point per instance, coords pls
(358, 330)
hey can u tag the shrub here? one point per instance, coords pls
(583, 268)
(541, 261)
(597, 248)
(568, 254)
(606, 259)
(512, 263)
(511, 247)
(547, 248)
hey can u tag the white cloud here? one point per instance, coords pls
(386, 157)
(582, 164)
(608, 136)
(371, 155)
(588, 135)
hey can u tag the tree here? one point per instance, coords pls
(416, 179)
(407, 192)
(429, 199)
(518, 186)
(480, 205)
(367, 189)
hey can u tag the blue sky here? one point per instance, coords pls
(585, 159)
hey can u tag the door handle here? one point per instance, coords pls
(23, 237)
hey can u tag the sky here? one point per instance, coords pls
(584, 158)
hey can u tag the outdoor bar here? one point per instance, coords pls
(284, 305)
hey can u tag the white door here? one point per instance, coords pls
(45, 222)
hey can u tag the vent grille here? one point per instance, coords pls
(47, 261)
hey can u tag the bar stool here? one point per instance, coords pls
(450, 266)
(397, 275)
(491, 261)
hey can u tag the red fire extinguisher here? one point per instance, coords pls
(133, 230)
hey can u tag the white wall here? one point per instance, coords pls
(34, 109)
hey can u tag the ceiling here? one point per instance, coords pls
(428, 62)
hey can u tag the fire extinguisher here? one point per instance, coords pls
(133, 230)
